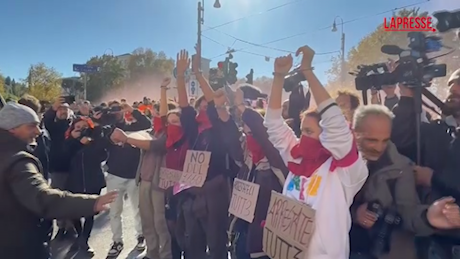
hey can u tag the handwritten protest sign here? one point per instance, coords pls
(195, 168)
(244, 199)
(288, 228)
(168, 177)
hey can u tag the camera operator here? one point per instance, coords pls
(85, 148)
(57, 120)
(123, 163)
(388, 200)
(444, 181)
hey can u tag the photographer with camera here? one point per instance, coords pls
(85, 149)
(438, 176)
(388, 200)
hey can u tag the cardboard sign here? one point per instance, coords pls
(288, 228)
(195, 168)
(168, 177)
(244, 199)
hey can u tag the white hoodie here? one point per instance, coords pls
(330, 194)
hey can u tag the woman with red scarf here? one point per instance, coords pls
(261, 163)
(326, 169)
(204, 209)
(85, 148)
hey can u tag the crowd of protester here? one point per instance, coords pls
(353, 164)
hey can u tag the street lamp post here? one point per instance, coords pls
(108, 50)
(342, 48)
(201, 21)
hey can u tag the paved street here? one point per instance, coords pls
(101, 238)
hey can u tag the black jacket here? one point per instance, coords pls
(56, 129)
(124, 160)
(42, 151)
(435, 136)
(210, 140)
(85, 173)
(26, 198)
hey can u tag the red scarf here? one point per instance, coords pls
(256, 150)
(174, 133)
(312, 154)
(158, 124)
(203, 121)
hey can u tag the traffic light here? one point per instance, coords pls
(232, 73)
(250, 77)
(223, 66)
(233, 66)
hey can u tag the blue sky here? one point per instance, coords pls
(62, 32)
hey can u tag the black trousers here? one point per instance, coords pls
(84, 228)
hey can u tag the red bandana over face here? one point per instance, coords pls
(256, 150)
(173, 135)
(312, 155)
(203, 121)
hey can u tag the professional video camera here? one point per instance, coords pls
(447, 20)
(414, 68)
(292, 79)
(97, 132)
(108, 115)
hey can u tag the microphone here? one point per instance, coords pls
(391, 49)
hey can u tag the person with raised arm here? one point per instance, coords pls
(205, 208)
(326, 169)
(260, 163)
(151, 196)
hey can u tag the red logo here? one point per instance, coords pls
(408, 24)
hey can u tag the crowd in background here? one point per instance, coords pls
(353, 164)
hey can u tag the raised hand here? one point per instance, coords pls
(166, 82)
(118, 136)
(283, 64)
(307, 57)
(182, 62)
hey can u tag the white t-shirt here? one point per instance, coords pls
(330, 194)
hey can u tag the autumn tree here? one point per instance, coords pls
(72, 86)
(110, 76)
(368, 51)
(17, 88)
(43, 82)
(7, 81)
(144, 62)
(141, 70)
(2, 85)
